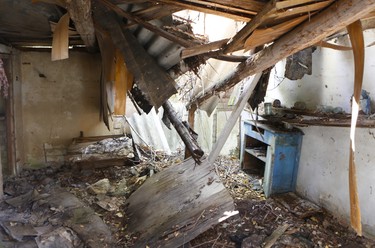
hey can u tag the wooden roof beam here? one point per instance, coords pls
(236, 43)
(80, 13)
(332, 19)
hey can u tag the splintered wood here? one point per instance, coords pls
(176, 205)
(357, 40)
(60, 41)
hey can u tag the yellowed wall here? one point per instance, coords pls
(59, 100)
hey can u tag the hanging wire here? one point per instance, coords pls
(277, 79)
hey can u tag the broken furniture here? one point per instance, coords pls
(272, 151)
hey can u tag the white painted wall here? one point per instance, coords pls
(323, 169)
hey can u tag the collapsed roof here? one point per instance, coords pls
(290, 25)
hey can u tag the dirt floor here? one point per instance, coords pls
(282, 221)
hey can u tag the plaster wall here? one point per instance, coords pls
(323, 168)
(59, 99)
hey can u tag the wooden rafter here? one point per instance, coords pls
(252, 5)
(333, 19)
(213, 8)
(155, 12)
(146, 24)
(300, 10)
(263, 36)
(292, 3)
(238, 40)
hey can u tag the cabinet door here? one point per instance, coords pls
(284, 171)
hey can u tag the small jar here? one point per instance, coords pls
(268, 108)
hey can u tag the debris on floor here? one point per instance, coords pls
(102, 153)
(63, 207)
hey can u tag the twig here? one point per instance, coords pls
(198, 219)
(216, 240)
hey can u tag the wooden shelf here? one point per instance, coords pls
(258, 153)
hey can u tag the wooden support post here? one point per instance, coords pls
(332, 19)
(233, 119)
(190, 143)
(191, 121)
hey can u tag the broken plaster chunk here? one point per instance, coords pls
(100, 187)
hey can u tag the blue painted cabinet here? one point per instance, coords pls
(272, 151)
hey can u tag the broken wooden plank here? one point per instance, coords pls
(155, 12)
(291, 3)
(201, 49)
(220, 9)
(189, 141)
(356, 38)
(191, 121)
(123, 83)
(263, 36)
(153, 81)
(176, 205)
(300, 10)
(237, 41)
(332, 19)
(80, 12)
(91, 164)
(253, 5)
(271, 240)
(60, 41)
(233, 118)
(260, 90)
(333, 46)
(107, 52)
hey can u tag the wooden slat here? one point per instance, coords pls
(358, 44)
(245, 17)
(300, 10)
(107, 52)
(218, 5)
(252, 5)
(60, 42)
(333, 46)
(291, 3)
(238, 40)
(263, 36)
(156, 12)
(123, 83)
(176, 205)
(200, 49)
(333, 19)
